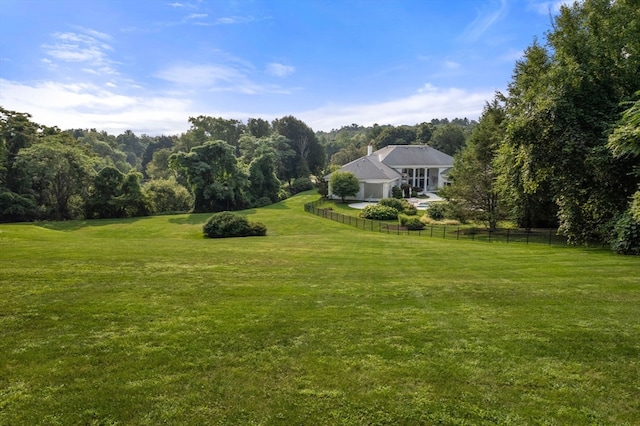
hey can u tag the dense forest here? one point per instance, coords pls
(559, 148)
(218, 164)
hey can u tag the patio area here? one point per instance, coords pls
(420, 203)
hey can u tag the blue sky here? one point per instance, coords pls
(148, 65)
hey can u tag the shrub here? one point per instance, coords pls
(436, 211)
(262, 202)
(627, 235)
(428, 221)
(409, 209)
(455, 210)
(300, 185)
(379, 212)
(394, 203)
(401, 205)
(228, 224)
(412, 223)
(396, 192)
(167, 195)
(257, 229)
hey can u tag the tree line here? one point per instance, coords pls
(218, 164)
(558, 149)
(561, 146)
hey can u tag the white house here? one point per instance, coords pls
(420, 166)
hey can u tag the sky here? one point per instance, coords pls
(149, 65)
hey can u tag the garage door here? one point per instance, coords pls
(373, 190)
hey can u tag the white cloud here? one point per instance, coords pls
(280, 70)
(483, 22)
(90, 106)
(82, 48)
(429, 102)
(451, 65)
(217, 78)
(196, 16)
(101, 107)
(229, 20)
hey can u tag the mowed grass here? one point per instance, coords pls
(143, 321)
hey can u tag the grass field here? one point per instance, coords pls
(143, 321)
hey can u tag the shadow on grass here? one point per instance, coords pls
(74, 225)
(200, 218)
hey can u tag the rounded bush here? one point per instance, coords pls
(228, 224)
(395, 203)
(410, 209)
(436, 211)
(379, 212)
(257, 229)
(414, 224)
(301, 184)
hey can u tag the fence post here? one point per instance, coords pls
(473, 233)
(489, 234)
(458, 236)
(444, 231)
(431, 231)
(507, 235)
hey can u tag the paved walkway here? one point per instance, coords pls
(415, 201)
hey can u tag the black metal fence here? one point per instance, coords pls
(456, 232)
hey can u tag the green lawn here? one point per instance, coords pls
(143, 321)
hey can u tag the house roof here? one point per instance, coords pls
(413, 155)
(381, 164)
(370, 168)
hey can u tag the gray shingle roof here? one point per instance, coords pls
(380, 165)
(413, 155)
(369, 168)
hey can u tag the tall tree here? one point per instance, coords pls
(523, 179)
(156, 144)
(262, 175)
(310, 155)
(473, 176)
(58, 173)
(448, 138)
(561, 104)
(206, 128)
(215, 178)
(103, 194)
(258, 127)
(17, 131)
(401, 135)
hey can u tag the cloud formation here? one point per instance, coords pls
(216, 78)
(100, 107)
(89, 47)
(483, 22)
(280, 70)
(429, 102)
